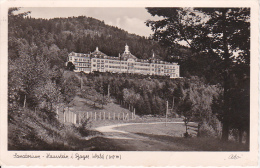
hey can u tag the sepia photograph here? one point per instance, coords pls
(113, 79)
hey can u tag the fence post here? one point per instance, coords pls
(57, 111)
(114, 116)
(79, 118)
(64, 116)
(126, 117)
(123, 116)
(75, 118)
(104, 116)
(87, 115)
(118, 116)
(95, 116)
(134, 113)
(100, 116)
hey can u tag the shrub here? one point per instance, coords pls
(207, 131)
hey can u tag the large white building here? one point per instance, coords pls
(125, 63)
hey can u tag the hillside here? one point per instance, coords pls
(83, 34)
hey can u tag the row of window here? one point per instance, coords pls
(80, 54)
(82, 65)
(82, 69)
(94, 65)
(142, 69)
(118, 62)
(124, 67)
(80, 60)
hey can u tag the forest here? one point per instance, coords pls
(37, 80)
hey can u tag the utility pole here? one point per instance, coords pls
(24, 102)
(172, 102)
(108, 91)
(81, 83)
(166, 113)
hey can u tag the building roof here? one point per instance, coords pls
(128, 56)
(97, 54)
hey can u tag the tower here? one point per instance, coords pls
(127, 49)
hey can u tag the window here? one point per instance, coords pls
(94, 65)
(94, 60)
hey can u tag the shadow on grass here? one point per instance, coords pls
(198, 144)
(72, 143)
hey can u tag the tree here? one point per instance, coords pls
(209, 31)
(186, 109)
(70, 66)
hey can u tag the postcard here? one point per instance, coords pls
(129, 83)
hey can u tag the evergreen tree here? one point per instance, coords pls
(214, 31)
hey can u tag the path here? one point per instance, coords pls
(131, 141)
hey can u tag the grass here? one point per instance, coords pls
(28, 130)
(172, 134)
(171, 129)
(82, 106)
(198, 144)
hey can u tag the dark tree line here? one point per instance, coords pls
(148, 95)
(219, 39)
(83, 34)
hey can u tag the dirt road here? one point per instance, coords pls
(136, 140)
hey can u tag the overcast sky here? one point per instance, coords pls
(129, 19)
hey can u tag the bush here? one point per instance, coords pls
(207, 131)
(83, 128)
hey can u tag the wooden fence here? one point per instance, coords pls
(94, 116)
(70, 117)
(75, 118)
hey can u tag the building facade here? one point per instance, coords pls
(125, 63)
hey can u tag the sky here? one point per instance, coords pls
(129, 19)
